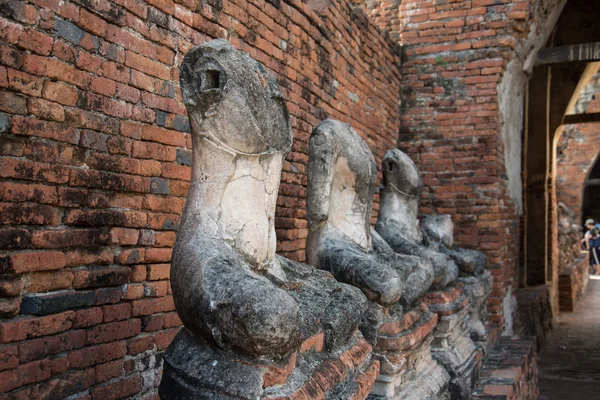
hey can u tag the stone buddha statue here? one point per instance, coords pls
(457, 295)
(438, 232)
(342, 176)
(397, 222)
(251, 318)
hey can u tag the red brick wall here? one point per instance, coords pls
(94, 167)
(577, 149)
(455, 56)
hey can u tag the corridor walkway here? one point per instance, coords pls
(569, 363)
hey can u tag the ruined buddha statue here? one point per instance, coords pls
(450, 297)
(397, 222)
(256, 325)
(342, 176)
(438, 233)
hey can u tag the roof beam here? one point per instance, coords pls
(586, 52)
(581, 118)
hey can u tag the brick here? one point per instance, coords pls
(25, 374)
(119, 145)
(151, 306)
(174, 171)
(108, 295)
(37, 261)
(163, 103)
(35, 41)
(46, 129)
(103, 86)
(84, 257)
(11, 286)
(140, 344)
(97, 354)
(14, 239)
(25, 328)
(165, 239)
(60, 93)
(147, 66)
(116, 312)
(158, 271)
(86, 119)
(27, 170)
(119, 389)
(147, 237)
(109, 181)
(9, 356)
(13, 103)
(55, 69)
(42, 348)
(109, 370)
(5, 125)
(92, 23)
(164, 136)
(88, 317)
(163, 204)
(45, 281)
(154, 151)
(113, 331)
(99, 276)
(68, 31)
(134, 291)
(24, 83)
(61, 238)
(163, 339)
(128, 93)
(156, 289)
(9, 307)
(53, 302)
(124, 236)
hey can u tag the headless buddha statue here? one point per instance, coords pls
(256, 325)
(438, 232)
(398, 224)
(342, 176)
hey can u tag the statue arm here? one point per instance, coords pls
(321, 159)
(224, 302)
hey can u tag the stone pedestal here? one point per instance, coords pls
(193, 369)
(452, 346)
(404, 350)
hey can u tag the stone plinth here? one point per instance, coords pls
(193, 369)
(403, 348)
(452, 347)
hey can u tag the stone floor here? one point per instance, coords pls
(569, 363)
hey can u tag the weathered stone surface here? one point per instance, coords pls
(397, 222)
(459, 323)
(341, 183)
(477, 281)
(248, 313)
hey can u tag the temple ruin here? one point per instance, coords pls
(297, 199)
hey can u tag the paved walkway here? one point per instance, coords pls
(569, 363)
